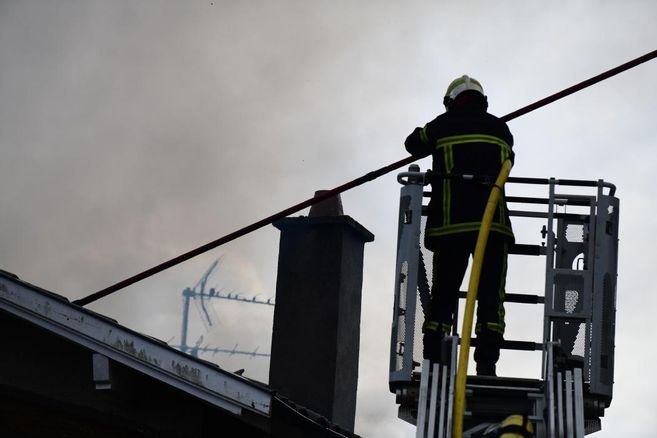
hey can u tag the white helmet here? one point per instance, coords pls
(458, 86)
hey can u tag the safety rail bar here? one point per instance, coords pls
(428, 176)
(516, 298)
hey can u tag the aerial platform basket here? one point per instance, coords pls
(579, 240)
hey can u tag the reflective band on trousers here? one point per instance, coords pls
(492, 326)
(434, 326)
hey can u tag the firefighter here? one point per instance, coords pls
(465, 140)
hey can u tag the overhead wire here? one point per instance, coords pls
(344, 187)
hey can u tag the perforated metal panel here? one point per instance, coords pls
(406, 280)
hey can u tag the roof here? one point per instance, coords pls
(204, 380)
(251, 401)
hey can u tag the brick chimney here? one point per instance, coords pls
(315, 344)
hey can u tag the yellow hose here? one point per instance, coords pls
(466, 332)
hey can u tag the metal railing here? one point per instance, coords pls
(580, 244)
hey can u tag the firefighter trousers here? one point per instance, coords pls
(450, 262)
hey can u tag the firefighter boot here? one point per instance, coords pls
(487, 352)
(431, 345)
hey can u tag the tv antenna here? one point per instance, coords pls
(200, 297)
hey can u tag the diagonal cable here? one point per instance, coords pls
(347, 186)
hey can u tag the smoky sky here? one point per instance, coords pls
(133, 131)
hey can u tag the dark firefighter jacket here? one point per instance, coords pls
(463, 141)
